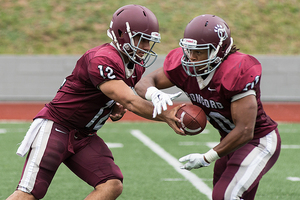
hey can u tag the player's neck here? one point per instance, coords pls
(124, 57)
(204, 76)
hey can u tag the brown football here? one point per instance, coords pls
(193, 119)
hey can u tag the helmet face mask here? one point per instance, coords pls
(132, 48)
(201, 67)
(130, 22)
(205, 32)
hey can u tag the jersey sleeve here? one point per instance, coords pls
(173, 69)
(102, 69)
(243, 77)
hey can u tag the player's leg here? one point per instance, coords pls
(47, 152)
(109, 190)
(237, 176)
(20, 195)
(250, 194)
(94, 164)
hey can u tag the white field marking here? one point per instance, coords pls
(290, 146)
(14, 130)
(205, 131)
(114, 145)
(183, 179)
(173, 179)
(293, 178)
(212, 144)
(209, 144)
(3, 131)
(194, 179)
(190, 143)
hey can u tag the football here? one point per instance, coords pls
(193, 119)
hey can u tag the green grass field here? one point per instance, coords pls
(147, 175)
(72, 27)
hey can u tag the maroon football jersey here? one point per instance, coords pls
(78, 104)
(237, 74)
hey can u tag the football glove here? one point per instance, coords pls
(195, 161)
(160, 99)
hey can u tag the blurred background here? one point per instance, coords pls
(40, 41)
(57, 27)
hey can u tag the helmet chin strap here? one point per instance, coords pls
(129, 33)
(133, 53)
(212, 54)
(114, 38)
(215, 52)
(229, 48)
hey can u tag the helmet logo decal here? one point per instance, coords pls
(155, 36)
(221, 32)
(189, 43)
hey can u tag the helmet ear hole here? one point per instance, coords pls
(224, 47)
(120, 33)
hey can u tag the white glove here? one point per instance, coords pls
(195, 161)
(160, 99)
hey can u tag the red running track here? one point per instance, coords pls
(278, 111)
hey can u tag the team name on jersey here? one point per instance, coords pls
(205, 102)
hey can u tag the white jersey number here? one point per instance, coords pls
(108, 70)
(99, 124)
(221, 121)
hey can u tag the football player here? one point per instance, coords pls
(225, 83)
(100, 86)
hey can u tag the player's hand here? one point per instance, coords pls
(195, 161)
(169, 116)
(160, 101)
(118, 112)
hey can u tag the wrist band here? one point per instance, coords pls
(149, 92)
(211, 156)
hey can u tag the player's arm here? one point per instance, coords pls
(156, 78)
(148, 88)
(119, 91)
(244, 113)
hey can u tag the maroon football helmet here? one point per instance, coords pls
(130, 21)
(205, 32)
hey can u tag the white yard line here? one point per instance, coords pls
(114, 145)
(290, 146)
(293, 178)
(2, 131)
(194, 179)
